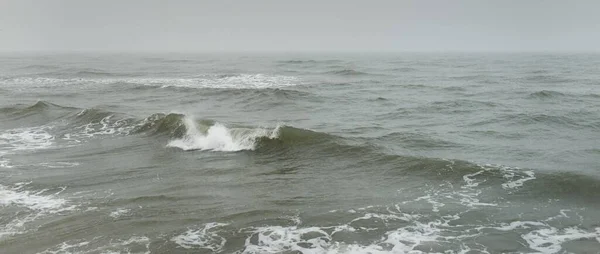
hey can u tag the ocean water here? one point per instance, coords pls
(300, 153)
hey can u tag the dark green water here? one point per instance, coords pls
(361, 153)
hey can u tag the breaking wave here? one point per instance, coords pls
(220, 138)
(76, 126)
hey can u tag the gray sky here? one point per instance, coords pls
(302, 25)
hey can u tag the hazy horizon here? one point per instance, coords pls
(298, 27)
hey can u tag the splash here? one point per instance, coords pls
(220, 138)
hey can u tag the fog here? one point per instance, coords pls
(215, 26)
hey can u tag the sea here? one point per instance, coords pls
(299, 152)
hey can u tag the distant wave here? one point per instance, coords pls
(539, 72)
(546, 94)
(86, 73)
(474, 77)
(298, 62)
(524, 119)
(548, 79)
(453, 106)
(39, 67)
(41, 111)
(308, 61)
(96, 73)
(403, 69)
(549, 94)
(347, 72)
(229, 81)
(417, 141)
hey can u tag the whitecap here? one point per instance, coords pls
(220, 138)
(119, 212)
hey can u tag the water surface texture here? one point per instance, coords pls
(306, 153)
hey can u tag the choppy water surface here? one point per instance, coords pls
(362, 153)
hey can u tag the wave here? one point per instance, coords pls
(96, 73)
(543, 94)
(40, 113)
(548, 79)
(523, 119)
(472, 77)
(162, 124)
(347, 72)
(549, 94)
(219, 138)
(282, 142)
(403, 69)
(451, 106)
(547, 119)
(288, 142)
(407, 227)
(298, 62)
(417, 141)
(39, 67)
(39, 106)
(309, 61)
(78, 73)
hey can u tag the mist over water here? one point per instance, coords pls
(308, 153)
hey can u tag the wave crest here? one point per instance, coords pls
(220, 138)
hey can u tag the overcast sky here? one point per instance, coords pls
(302, 25)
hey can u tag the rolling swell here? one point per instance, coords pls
(38, 113)
(39, 106)
(296, 144)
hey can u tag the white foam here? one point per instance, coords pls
(383, 217)
(119, 212)
(240, 81)
(23, 139)
(529, 175)
(515, 176)
(436, 205)
(137, 244)
(414, 234)
(59, 164)
(65, 247)
(470, 182)
(106, 126)
(36, 203)
(518, 224)
(30, 138)
(5, 162)
(205, 238)
(550, 240)
(278, 239)
(220, 138)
